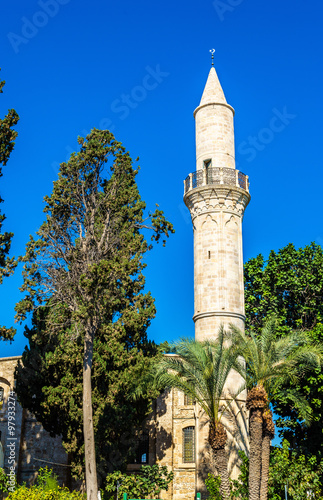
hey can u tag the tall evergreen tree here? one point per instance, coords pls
(88, 258)
(7, 143)
(49, 384)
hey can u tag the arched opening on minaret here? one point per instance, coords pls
(207, 165)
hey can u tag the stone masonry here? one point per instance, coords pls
(28, 447)
(217, 205)
(216, 195)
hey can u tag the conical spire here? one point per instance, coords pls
(213, 92)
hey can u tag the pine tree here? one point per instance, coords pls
(49, 384)
(87, 261)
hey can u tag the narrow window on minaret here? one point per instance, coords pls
(209, 254)
(208, 175)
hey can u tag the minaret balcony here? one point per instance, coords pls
(216, 175)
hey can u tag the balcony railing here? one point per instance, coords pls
(216, 175)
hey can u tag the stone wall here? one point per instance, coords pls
(171, 417)
(39, 449)
(27, 446)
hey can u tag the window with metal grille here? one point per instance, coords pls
(188, 400)
(189, 444)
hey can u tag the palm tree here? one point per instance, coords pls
(271, 362)
(200, 370)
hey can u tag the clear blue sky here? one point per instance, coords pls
(139, 68)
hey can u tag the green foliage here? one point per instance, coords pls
(52, 372)
(240, 488)
(299, 472)
(290, 285)
(200, 370)
(308, 440)
(212, 484)
(7, 142)
(272, 362)
(148, 484)
(47, 480)
(7, 134)
(47, 488)
(4, 481)
(38, 493)
(88, 254)
(273, 365)
(84, 283)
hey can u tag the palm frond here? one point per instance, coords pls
(200, 370)
(272, 362)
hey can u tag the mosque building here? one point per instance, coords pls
(216, 195)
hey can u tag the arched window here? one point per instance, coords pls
(189, 444)
(207, 164)
(188, 400)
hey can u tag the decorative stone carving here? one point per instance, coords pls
(216, 198)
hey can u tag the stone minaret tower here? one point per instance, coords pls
(216, 195)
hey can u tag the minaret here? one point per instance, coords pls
(216, 195)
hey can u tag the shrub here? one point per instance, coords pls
(240, 488)
(150, 481)
(213, 484)
(4, 481)
(301, 474)
(47, 480)
(38, 493)
(46, 489)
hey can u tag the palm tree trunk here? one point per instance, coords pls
(268, 435)
(265, 455)
(88, 429)
(257, 401)
(221, 463)
(255, 430)
(217, 440)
